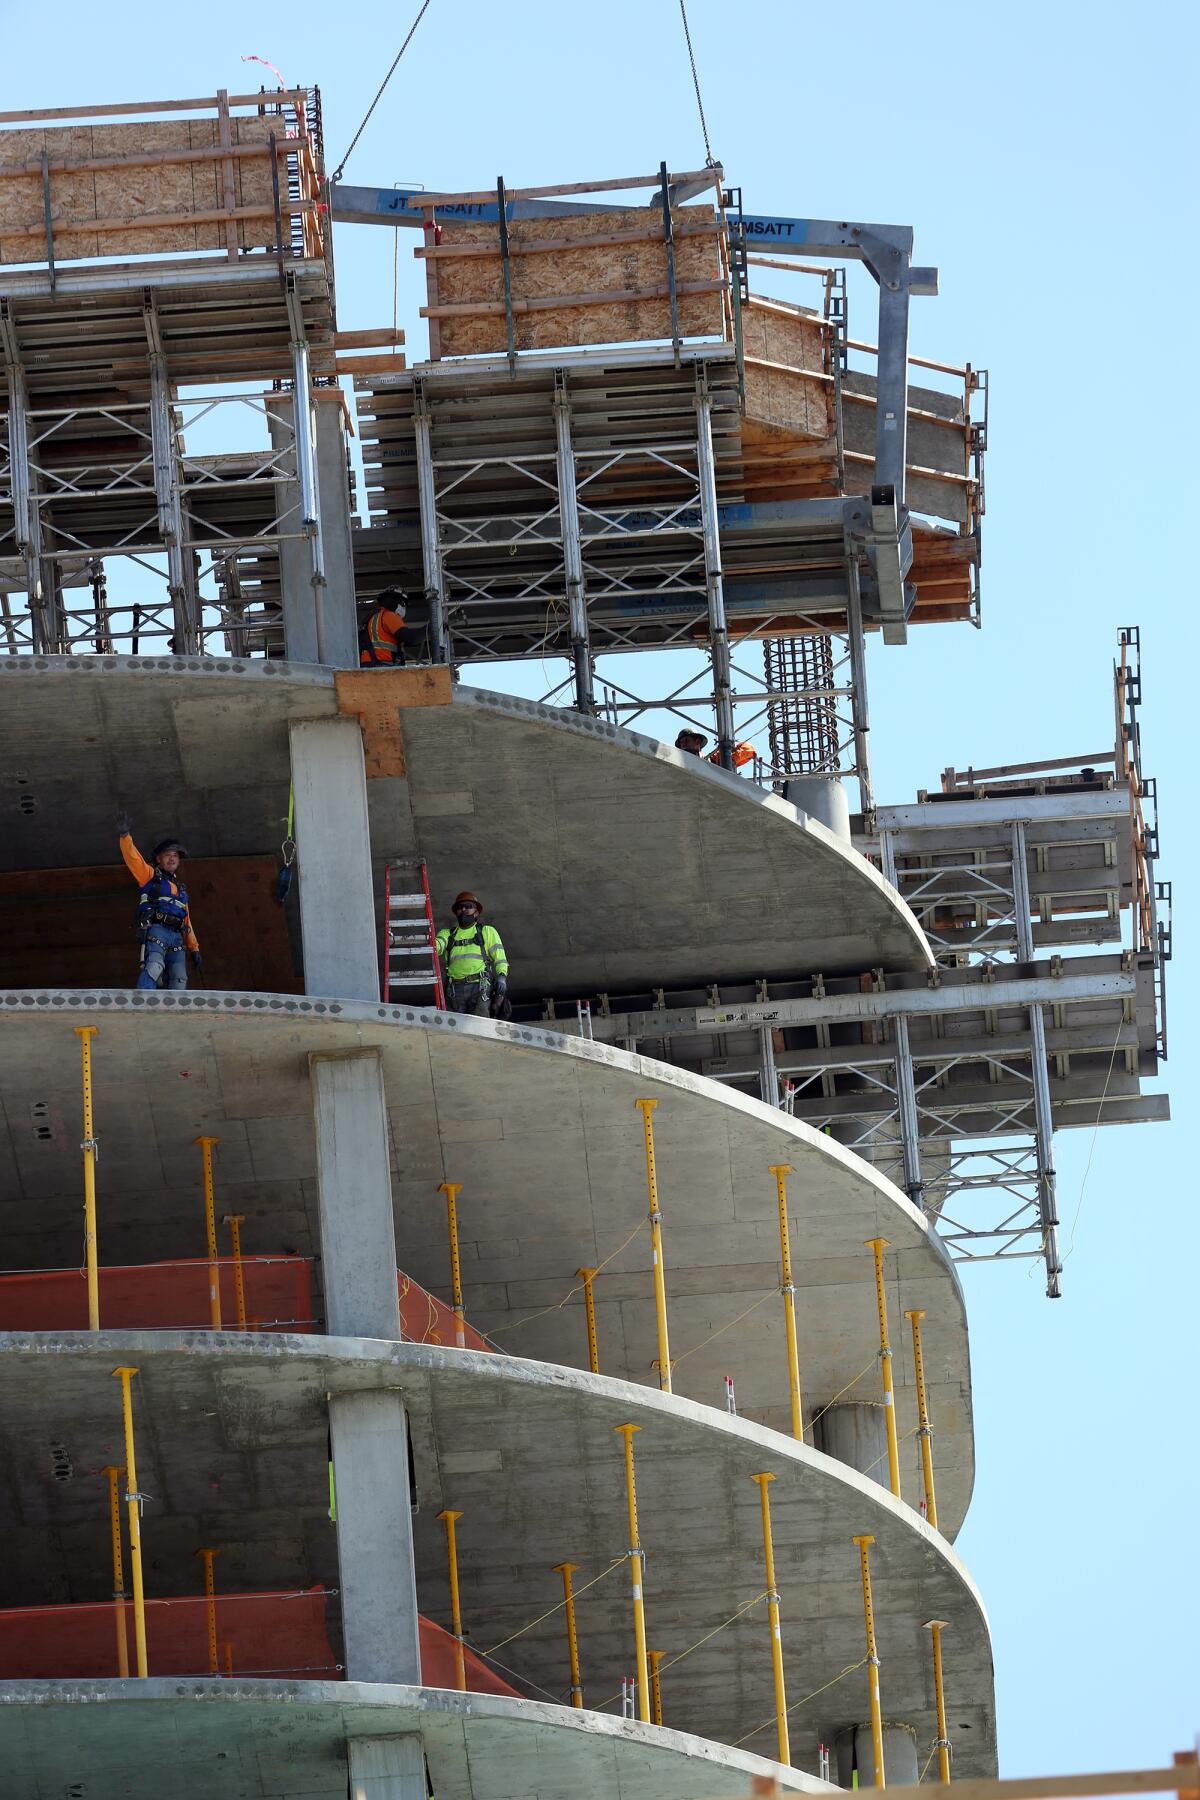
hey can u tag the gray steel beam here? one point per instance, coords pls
(181, 585)
(833, 1009)
(431, 543)
(718, 633)
(568, 512)
(306, 462)
(1043, 1110)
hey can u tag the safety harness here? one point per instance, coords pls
(162, 901)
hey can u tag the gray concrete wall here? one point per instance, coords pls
(337, 902)
(857, 1435)
(387, 1768)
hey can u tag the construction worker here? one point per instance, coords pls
(379, 639)
(694, 741)
(164, 922)
(474, 966)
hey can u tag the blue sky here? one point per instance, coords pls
(1044, 155)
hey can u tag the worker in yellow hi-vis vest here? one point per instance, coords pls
(474, 965)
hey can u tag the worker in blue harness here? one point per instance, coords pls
(474, 965)
(164, 922)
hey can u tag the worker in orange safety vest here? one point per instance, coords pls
(694, 741)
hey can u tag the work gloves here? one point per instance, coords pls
(196, 962)
(124, 823)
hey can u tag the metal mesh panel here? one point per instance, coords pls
(802, 725)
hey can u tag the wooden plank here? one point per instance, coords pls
(228, 194)
(152, 221)
(137, 160)
(710, 177)
(710, 228)
(551, 302)
(296, 96)
(380, 363)
(367, 340)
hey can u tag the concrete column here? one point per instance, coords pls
(369, 1434)
(856, 1751)
(857, 1435)
(822, 797)
(387, 1768)
(337, 900)
(295, 563)
(354, 1193)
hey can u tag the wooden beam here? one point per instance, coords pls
(555, 302)
(137, 159)
(367, 340)
(710, 177)
(381, 363)
(155, 221)
(1053, 1787)
(228, 190)
(126, 107)
(710, 228)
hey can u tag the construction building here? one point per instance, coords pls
(403, 1402)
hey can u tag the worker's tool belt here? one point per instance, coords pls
(164, 923)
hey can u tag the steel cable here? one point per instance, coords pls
(337, 173)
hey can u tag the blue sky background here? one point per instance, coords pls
(1045, 155)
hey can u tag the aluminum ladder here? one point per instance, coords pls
(409, 936)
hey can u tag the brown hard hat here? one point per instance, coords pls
(465, 898)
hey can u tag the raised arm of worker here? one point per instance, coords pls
(142, 872)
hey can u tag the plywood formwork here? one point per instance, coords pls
(596, 278)
(229, 181)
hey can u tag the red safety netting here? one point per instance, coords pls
(257, 1634)
(175, 1296)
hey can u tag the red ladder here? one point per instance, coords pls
(409, 936)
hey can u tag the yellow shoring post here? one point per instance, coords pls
(118, 1571)
(566, 1570)
(646, 1108)
(864, 1553)
(210, 1226)
(227, 1656)
(656, 1657)
(935, 1627)
(588, 1276)
(635, 1572)
(210, 1596)
(133, 1501)
(879, 1245)
(452, 1189)
(781, 1720)
(460, 1661)
(235, 1221)
(925, 1432)
(781, 1171)
(85, 1034)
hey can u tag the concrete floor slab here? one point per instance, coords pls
(231, 1443)
(271, 1740)
(607, 859)
(543, 1132)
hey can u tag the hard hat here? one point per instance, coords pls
(395, 599)
(466, 898)
(168, 843)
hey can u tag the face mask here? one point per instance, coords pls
(464, 917)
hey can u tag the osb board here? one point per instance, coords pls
(147, 189)
(622, 267)
(787, 396)
(780, 465)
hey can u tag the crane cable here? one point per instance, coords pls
(337, 174)
(709, 158)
